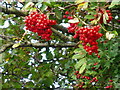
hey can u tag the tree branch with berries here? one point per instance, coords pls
(49, 43)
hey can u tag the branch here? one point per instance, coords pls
(12, 11)
(7, 37)
(37, 45)
(62, 36)
(69, 6)
(5, 47)
(115, 26)
(9, 74)
(20, 13)
(61, 28)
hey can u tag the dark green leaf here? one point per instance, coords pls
(89, 17)
(58, 13)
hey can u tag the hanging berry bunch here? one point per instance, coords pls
(39, 23)
(89, 37)
(67, 15)
(74, 24)
(103, 16)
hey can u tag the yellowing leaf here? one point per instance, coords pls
(94, 22)
(8, 1)
(109, 35)
(82, 68)
(83, 5)
(16, 45)
(21, 0)
(27, 6)
(7, 59)
(79, 1)
(105, 17)
(75, 20)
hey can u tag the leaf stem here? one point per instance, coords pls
(103, 28)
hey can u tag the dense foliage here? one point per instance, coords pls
(60, 44)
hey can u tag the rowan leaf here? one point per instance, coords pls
(82, 68)
(16, 45)
(80, 63)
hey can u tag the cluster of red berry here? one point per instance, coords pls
(100, 14)
(94, 68)
(94, 80)
(91, 80)
(109, 86)
(67, 15)
(78, 76)
(73, 27)
(89, 37)
(39, 23)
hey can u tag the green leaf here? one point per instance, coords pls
(115, 32)
(39, 3)
(114, 2)
(49, 55)
(47, 81)
(89, 17)
(29, 84)
(73, 77)
(43, 7)
(28, 5)
(48, 3)
(58, 13)
(82, 68)
(1, 22)
(107, 64)
(80, 46)
(81, 53)
(76, 56)
(80, 63)
(3, 64)
(17, 70)
(77, 50)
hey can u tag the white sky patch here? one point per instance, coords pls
(30, 75)
(34, 41)
(6, 24)
(12, 22)
(56, 84)
(65, 25)
(116, 17)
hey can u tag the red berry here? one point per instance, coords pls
(80, 86)
(69, 17)
(95, 63)
(109, 14)
(66, 12)
(110, 17)
(98, 56)
(64, 16)
(107, 11)
(94, 78)
(78, 76)
(110, 80)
